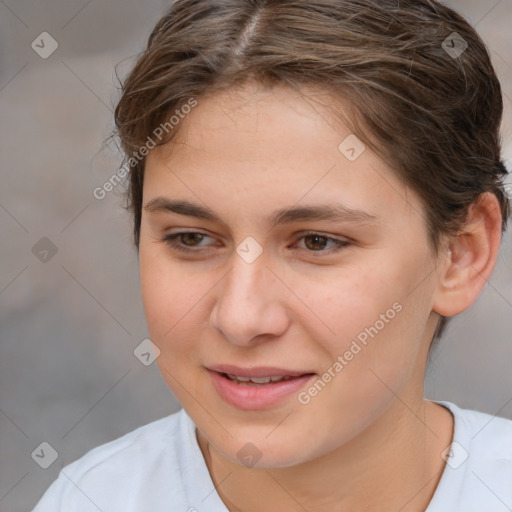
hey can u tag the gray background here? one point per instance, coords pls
(68, 326)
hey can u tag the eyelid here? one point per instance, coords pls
(341, 243)
(336, 238)
(170, 240)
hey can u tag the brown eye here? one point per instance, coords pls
(191, 237)
(316, 242)
(185, 241)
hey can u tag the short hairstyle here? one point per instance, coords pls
(429, 107)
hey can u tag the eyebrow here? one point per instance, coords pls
(332, 212)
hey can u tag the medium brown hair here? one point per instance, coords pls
(433, 116)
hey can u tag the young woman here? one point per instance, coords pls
(316, 187)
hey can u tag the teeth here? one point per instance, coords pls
(260, 380)
(257, 380)
(234, 377)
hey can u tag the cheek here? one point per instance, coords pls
(342, 302)
(367, 315)
(172, 301)
(373, 353)
(171, 295)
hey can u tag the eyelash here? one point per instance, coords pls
(170, 240)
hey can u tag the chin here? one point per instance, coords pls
(281, 452)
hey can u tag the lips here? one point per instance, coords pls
(270, 387)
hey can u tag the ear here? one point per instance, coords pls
(472, 255)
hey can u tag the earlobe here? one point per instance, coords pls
(470, 257)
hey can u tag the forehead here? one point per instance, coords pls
(254, 147)
(253, 114)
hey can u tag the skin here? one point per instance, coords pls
(369, 440)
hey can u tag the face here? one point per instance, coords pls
(267, 248)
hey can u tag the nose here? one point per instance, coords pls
(250, 303)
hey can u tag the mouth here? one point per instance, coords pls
(259, 381)
(257, 388)
(256, 372)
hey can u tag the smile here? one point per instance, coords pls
(257, 380)
(249, 392)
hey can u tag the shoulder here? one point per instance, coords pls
(478, 471)
(146, 440)
(110, 476)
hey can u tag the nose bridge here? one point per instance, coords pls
(246, 302)
(248, 269)
(243, 285)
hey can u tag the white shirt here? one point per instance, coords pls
(159, 467)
